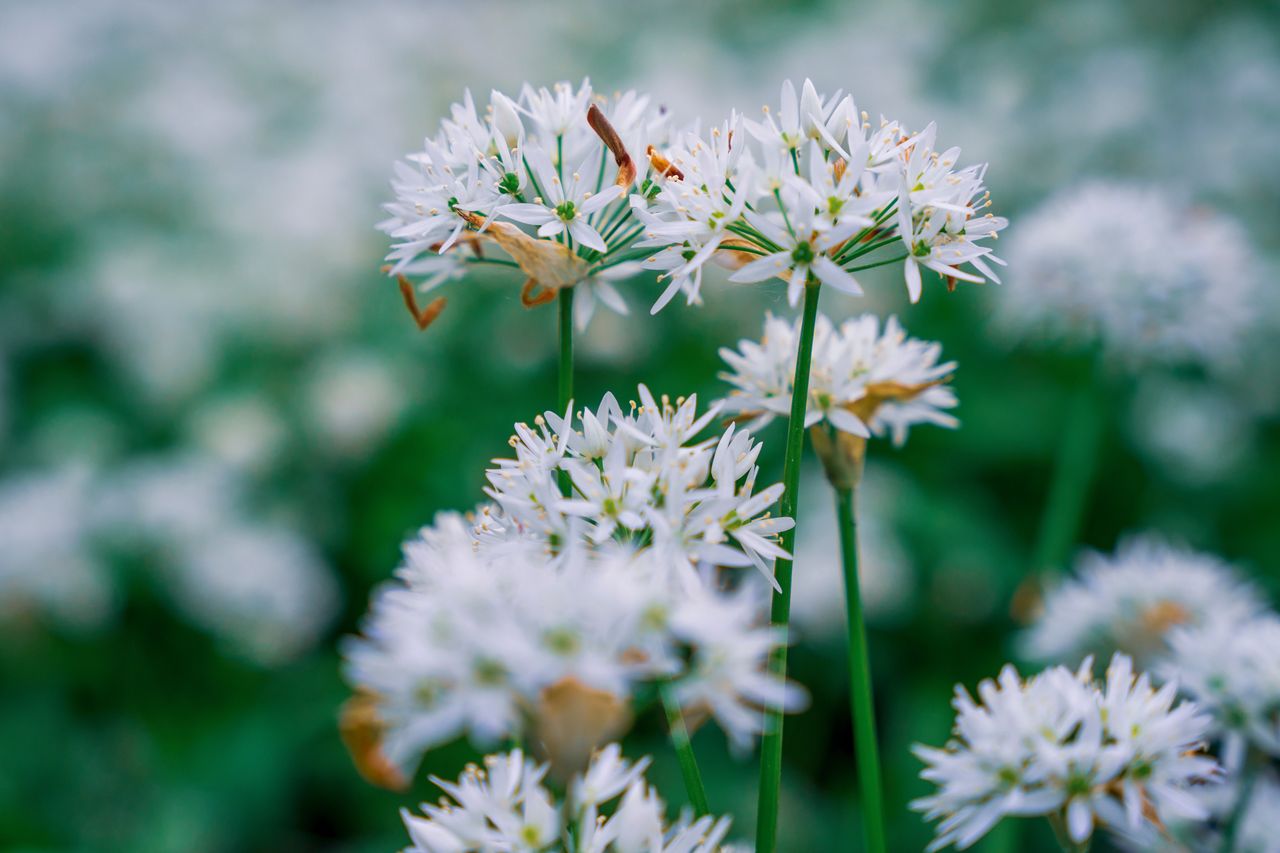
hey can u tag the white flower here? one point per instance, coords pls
(1232, 668)
(641, 479)
(808, 195)
(505, 806)
(486, 623)
(1118, 754)
(535, 160)
(1134, 270)
(864, 380)
(1129, 601)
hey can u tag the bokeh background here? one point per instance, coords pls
(217, 423)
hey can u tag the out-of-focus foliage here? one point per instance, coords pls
(217, 423)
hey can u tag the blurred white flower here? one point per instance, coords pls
(352, 400)
(264, 590)
(242, 430)
(1232, 669)
(504, 806)
(47, 565)
(486, 631)
(1136, 271)
(1198, 433)
(864, 380)
(1117, 754)
(1129, 601)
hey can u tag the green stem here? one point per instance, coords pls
(684, 752)
(861, 702)
(1248, 778)
(566, 365)
(1072, 476)
(780, 611)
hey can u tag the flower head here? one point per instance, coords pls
(489, 633)
(1117, 754)
(1232, 669)
(505, 806)
(1130, 600)
(1135, 271)
(865, 379)
(559, 161)
(807, 194)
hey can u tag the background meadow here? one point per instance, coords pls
(217, 422)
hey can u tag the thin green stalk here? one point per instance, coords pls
(1072, 477)
(861, 702)
(566, 365)
(780, 611)
(684, 752)
(1248, 778)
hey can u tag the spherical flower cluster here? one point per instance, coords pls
(1129, 601)
(490, 640)
(557, 162)
(864, 380)
(1135, 271)
(505, 806)
(808, 194)
(1232, 669)
(644, 479)
(1118, 754)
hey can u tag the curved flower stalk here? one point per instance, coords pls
(807, 194)
(1118, 754)
(505, 806)
(1131, 600)
(862, 381)
(494, 638)
(644, 479)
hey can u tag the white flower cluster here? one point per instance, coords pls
(483, 639)
(641, 479)
(260, 587)
(807, 194)
(505, 806)
(1118, 754)
(1134, 270)
(1232, 668)
(1129, 601)
(556, 160)
(865, 380)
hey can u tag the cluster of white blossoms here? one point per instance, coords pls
(864, 380)
(807, 194)
(1134, 270)
(1232, 669)
(641, 479)
(505, 806)
(544, 177)
(1130, 601)
(1119, 754)
(551, 613)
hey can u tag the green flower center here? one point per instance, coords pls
(566, 210)
(802, 253)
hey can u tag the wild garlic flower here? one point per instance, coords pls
(1135, 271)
(864, 380)
(808, 194)
(1232, 669)
(505, 806)
(559, 162)
(1117, 754)
(1130, 600)
(642, 477)
(487, 633)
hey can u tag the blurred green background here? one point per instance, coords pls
(217, 423)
